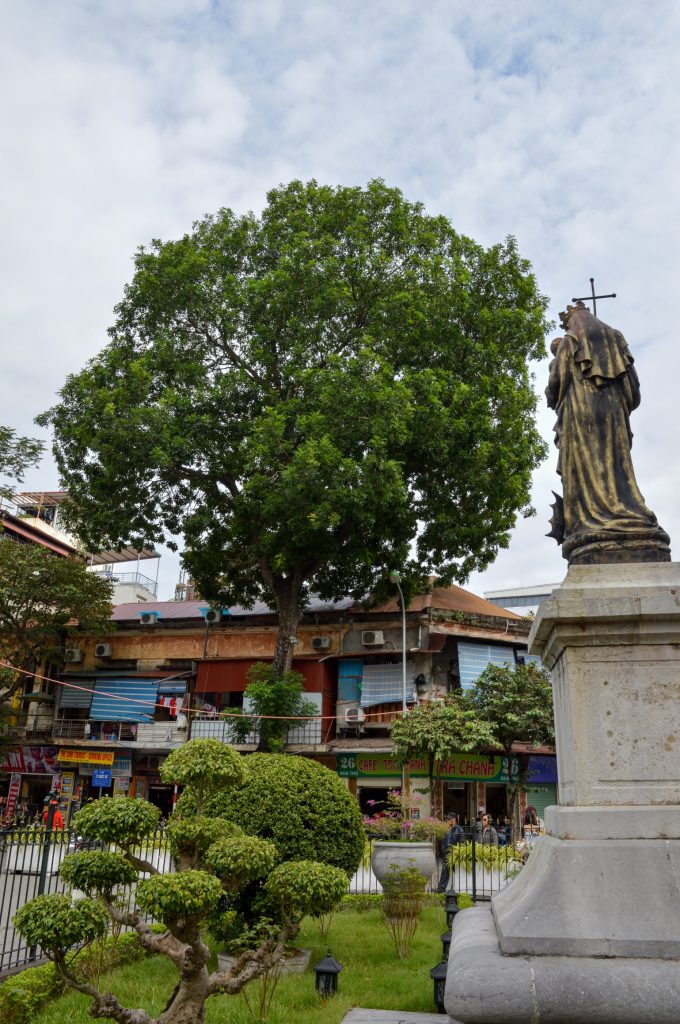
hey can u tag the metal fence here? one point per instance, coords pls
(30, 859)
(481, 868)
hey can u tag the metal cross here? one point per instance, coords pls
(592, 297)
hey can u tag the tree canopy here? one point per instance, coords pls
(312, 398)
(516, 702)
(438, 729)
(17, 454)
(44, 599)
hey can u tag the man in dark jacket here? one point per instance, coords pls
(453, 837)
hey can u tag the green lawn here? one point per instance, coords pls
(372, 977)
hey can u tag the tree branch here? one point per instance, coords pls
(104, 1004)
(249, 965)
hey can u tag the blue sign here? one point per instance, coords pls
(101, 777)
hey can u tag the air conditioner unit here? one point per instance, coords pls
(321, 643)
(102, 651)
(149, 618)
(355, 716)
(373, 638)
(213, 615)
(73, 655)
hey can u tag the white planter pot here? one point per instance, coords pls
(405, 855)
(297, 964)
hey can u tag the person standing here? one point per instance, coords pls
(454, 837)
(487, 834)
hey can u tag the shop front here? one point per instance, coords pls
(463, 781)
(28, 773)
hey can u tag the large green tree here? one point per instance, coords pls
(312, 398)
(516, 702)
(437, 730)
(17, 454)
(44, 600)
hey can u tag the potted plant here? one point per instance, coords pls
(402, 838)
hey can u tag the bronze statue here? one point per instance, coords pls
(593, 387)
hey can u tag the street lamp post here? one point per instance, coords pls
(396, 578)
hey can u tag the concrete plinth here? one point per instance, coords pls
(590, 930)
(483, 986)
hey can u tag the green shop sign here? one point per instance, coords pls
(461, 767)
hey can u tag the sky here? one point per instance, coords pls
(127, 120)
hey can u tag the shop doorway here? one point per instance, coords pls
(372, 799)
(497, 801)
(161, 796)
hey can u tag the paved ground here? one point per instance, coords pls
(359, 1016)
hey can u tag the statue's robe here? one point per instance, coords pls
(593, 386)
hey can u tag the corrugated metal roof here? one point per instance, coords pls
(192, 609)
(447, 599)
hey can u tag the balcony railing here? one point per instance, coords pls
(119, 732)
(310, 733)
(137, 578)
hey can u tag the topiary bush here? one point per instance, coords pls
(301, 806)
(226, 880)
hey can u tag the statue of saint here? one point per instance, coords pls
(593, 387)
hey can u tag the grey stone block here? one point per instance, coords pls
(574, 898)
(484, 986)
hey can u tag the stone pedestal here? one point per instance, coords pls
(596, 911)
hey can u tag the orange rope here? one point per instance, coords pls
(193, 711)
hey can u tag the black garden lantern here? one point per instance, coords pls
(451, 907)
(438, 975)
(327, 971)
(446, 944)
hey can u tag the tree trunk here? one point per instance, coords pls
(188, 1006)
(287, 597)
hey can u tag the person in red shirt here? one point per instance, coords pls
(57, 817)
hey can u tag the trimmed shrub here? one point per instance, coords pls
(304, 808)
(186, 894)
(57, 923)
(117, 819)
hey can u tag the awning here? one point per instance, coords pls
(474, 658)
(173, 689)
(77, 698)
(383, 684)
(124, 700)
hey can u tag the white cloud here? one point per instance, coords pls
(554, 122)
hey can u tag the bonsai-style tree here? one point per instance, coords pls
(438, 729)
(215, 861)
(307, 396)
(44, 599)
(515, 701)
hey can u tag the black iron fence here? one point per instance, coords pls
(30, 858)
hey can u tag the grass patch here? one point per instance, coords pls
(372, 977)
